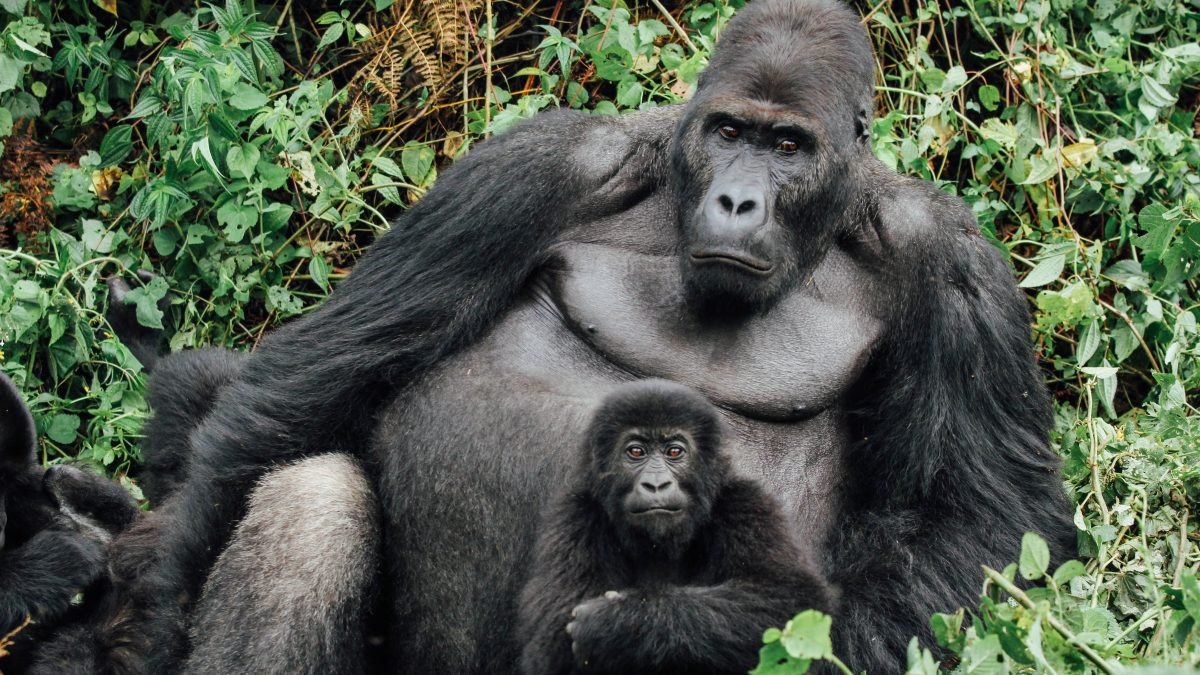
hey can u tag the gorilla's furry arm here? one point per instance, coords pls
(953, 463)
(433, 284)
(750, 577)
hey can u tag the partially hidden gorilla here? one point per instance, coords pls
(657, 559)
(55, 525)
(866, 346)
(329, 524)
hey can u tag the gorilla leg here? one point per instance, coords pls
(292, 590)
(182, 391)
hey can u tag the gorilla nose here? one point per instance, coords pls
(738, 207)
(655, 487)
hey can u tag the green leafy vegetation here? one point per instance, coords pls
(247, 153)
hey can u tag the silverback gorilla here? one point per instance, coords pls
(866, 346)
(657, 559)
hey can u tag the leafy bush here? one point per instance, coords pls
(247, 154)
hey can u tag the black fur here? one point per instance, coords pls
(182, 389)
(455, 357)
(54, 528)
(604, 598)
(102, 638)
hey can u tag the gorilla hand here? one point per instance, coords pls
(47, 572)
(588, 623)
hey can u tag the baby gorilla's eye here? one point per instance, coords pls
(787, 146)
(635, 451)
(675, 452)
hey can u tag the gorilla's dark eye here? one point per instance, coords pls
(787, 146)
(728, 131)
(635, 451)
(675, 451)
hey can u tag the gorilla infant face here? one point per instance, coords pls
(655, 463)
(764, 153)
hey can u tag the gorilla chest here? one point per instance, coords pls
(502, 421)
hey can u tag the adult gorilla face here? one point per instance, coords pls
(764, 156)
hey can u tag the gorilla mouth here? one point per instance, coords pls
(752, 265)
(655, 510)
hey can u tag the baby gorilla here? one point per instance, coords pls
(659, 559)
(54, 525)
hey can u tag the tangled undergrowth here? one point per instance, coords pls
(248, 152)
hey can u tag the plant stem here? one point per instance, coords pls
(1019, 595)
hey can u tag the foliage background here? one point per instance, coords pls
(247, 152)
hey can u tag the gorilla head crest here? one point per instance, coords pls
(763, 159)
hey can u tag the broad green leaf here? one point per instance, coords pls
(1160, 225)
(331, 35)
(1068, 571)
(1156, 94)
(989, 97)
(10, 72)
(1078, 154)
(416, 160)
(1089, 341)
(319, 269)
(247, 97)
(242, 160)
(146, 298)
(62, 428)
(773, 659)
(1046, 271)
(1040, 170)
(806, 636)
(1035, 556)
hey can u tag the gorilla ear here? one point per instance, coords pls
(18, 436)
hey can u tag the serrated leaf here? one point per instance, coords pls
(1089, 341)
(1160, 228)
(147, 104)
(116, 146)
(1155, 94)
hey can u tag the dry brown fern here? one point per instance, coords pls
(418, 42)
(447, 20)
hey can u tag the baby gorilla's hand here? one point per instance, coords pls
(588, 624)
(50, 569)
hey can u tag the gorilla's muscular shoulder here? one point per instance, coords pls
(787, 364)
